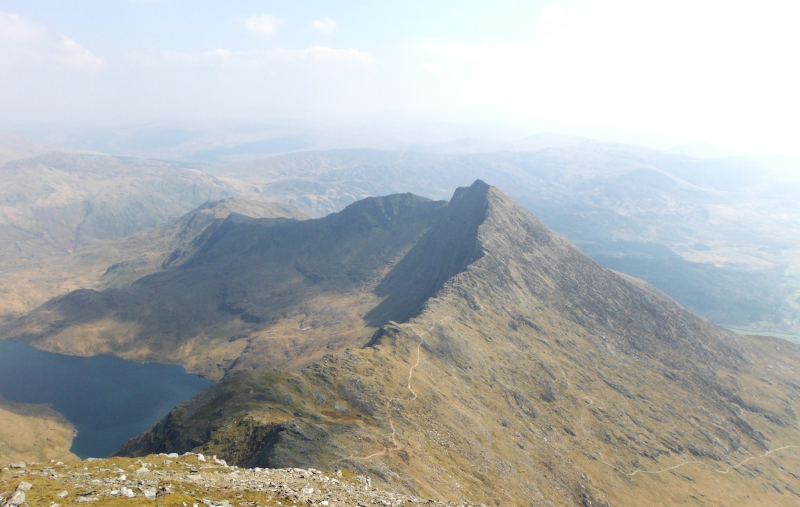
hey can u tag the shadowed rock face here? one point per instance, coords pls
(516, 371)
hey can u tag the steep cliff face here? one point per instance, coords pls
(518, 372)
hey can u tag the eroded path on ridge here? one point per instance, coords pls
(396, 445)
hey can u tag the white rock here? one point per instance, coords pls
(127, 492)
(150, 494)
(202, 458)
(63, 494)
(15, 500)
(24, 486)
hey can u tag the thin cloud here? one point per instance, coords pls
(324, 25)
(24, 43)
(256, 59)
(263, 24)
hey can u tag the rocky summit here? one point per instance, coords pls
(460, 351)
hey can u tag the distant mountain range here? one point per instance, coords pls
(54, 203)
(718, 235)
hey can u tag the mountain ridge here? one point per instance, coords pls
(243, 293)
(532, 375)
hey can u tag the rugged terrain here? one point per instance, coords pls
(256, 293)
(718, 235)
(34, 432)
(508, 368)
(117, 263)
(53, 203)
(187, 480)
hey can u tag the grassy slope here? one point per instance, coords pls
(33, 433)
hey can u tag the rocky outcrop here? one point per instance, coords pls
(189, 479)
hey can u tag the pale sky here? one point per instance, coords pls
(724, 72)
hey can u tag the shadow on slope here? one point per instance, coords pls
(446, 250)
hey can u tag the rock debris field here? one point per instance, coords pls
(188, 480)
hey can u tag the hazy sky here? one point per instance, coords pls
(724, 72)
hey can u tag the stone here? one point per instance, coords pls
(63, 494)
(149, 493)
(127, 492)
(21, 464)
(15, 500)
(24, 486)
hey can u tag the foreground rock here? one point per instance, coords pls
(187, 480)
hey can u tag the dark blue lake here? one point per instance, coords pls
(108, 400)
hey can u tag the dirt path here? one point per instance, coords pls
(395, 445)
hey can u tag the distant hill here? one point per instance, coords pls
(53, 203)
(117, 263)
(507, 367)
(14, 147)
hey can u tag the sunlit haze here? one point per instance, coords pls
(660, 73)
